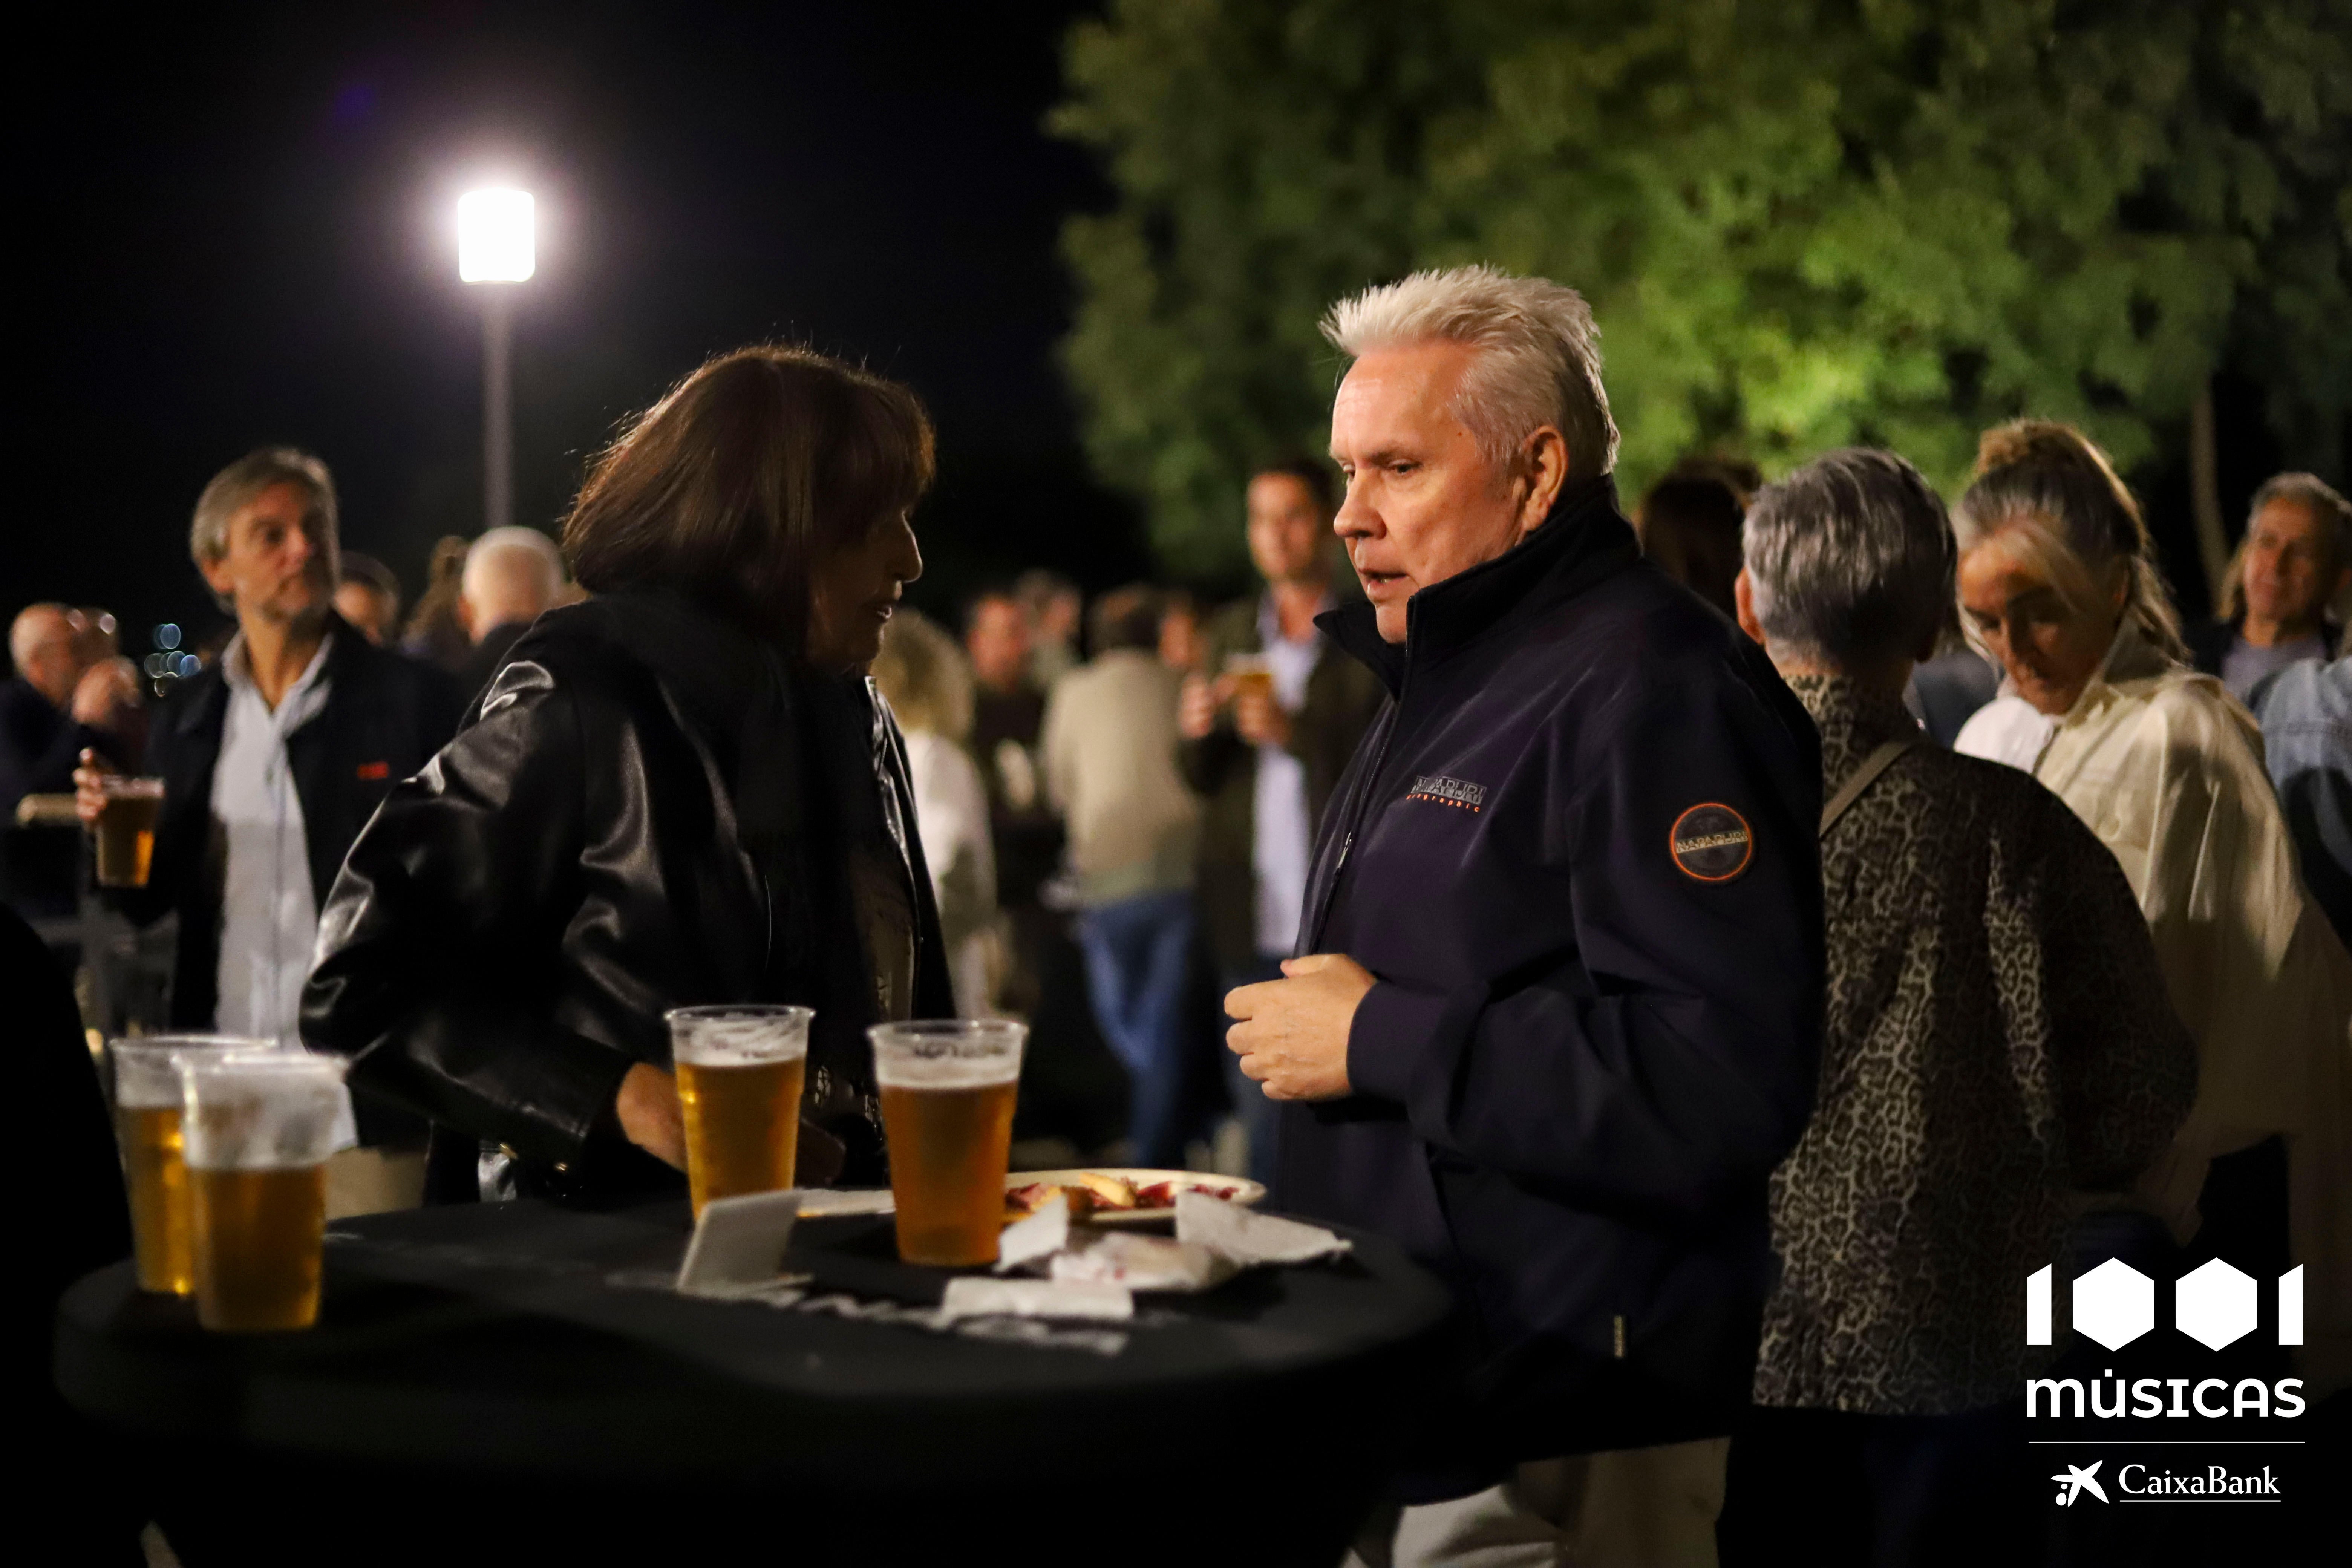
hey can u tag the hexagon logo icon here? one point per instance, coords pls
(2114, 1304)
(2214, 1304)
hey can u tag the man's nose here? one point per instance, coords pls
(1356, 518)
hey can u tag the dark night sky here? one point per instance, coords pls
(253, 242)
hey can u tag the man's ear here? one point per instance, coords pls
(465, 615)
(1544, 458)
(1743, 599)
(214, 571)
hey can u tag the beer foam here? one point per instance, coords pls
(739, 1043)
(901, 1070)
(738, 1038)
(260, 1113)
(147, 1069)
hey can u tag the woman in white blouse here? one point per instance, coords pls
(2058, 581)
(924, 678)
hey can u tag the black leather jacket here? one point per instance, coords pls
(644, 810)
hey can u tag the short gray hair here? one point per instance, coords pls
(516, 541)
(1538, 354)
(2326, 503)
(1851, 559)
(236, 487)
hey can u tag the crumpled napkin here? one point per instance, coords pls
(1249, 1238)
(1036, 1237)
(1142, 1262)
(974, 1296)
(1214, 1240)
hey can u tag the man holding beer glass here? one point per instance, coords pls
(262, 767)
(679, 793)
(1265, 744)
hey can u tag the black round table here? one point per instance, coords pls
(511, 1382)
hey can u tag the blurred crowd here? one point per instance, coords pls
(2062, 964)
(1118, 796)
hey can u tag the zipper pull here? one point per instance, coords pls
(1345, 845)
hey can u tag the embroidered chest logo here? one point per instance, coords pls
(1437, 789)
(1711, 843)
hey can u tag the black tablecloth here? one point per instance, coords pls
(514, 1371)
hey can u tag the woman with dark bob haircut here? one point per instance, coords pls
(680, 791)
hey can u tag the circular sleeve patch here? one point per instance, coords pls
(1711, 843)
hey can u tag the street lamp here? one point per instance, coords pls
(494, 247)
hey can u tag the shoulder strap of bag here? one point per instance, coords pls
(1862, 778)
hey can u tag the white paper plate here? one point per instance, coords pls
(1234, 1189)
(826, 1202)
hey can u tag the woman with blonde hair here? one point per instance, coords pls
(2058, 581)
(926, 679)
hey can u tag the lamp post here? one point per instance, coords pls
(494, 249)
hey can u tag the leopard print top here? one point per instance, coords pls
(1997, 1037)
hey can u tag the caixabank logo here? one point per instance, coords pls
(2185, 1421)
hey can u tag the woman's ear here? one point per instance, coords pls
(1743, 599)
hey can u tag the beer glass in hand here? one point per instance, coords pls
(948, 1087)
(126, 830)
(147, 1123)
(739, 1075)
(257, 1131)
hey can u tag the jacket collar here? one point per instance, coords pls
(208, 697)
(1584, 540)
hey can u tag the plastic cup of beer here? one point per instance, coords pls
(147, 1122)
(257, 1131)
(739, 1074)
(948, 1086)
(126, 830)
(1250, 675)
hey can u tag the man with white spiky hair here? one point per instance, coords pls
(1556, 1009)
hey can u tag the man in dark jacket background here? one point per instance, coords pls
(273, 758)
(1558, 1014)
(1265, 743)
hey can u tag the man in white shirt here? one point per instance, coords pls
(273, 758)
(1265, 743)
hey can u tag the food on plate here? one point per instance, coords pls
(1099, 1193)
(1020, 1202)
(1110, 1192)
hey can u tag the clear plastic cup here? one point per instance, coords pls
(147, 1108)
(256, 1130)
(948, 1090)
(741, 1070)
(125, 829)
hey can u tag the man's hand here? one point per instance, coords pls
(1196, 708)
(106, 690)
(1292, 1033)
(90, 788)
(1258, 718)
(649, 1114)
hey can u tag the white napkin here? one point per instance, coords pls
(1249, 1238)
(972, 1296)
(1142, 1262)
(1042, 1235)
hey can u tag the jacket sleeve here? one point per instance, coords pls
(2126, 1069)
(444, 910)
(1207, 763)
(1667, 1064)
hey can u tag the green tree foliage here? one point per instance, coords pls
(1800, 223)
